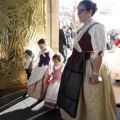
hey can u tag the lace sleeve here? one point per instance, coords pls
(98, 39)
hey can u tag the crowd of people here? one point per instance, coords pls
(112, 36)
(66, 40)
(95, 99)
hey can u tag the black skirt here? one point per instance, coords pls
(71, 82)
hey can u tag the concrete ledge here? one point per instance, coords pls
(8, 91)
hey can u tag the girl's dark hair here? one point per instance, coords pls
(89, 5)
(58, 56)
(42, 41)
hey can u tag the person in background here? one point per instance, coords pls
(108, 43)
(117, 43)
(68, 38)
(113, 59)
(96, 98)
(52, 90)
(73, 34)
(28, 64)
(62, 44)
(113, 35)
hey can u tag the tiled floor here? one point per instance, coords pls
(29, 109)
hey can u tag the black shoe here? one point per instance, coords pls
(39, 100)
(24, 95)
(117, 80)
(118, 104)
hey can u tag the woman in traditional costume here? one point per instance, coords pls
(96, 98)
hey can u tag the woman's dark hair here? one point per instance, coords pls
(58, 56)
(42, 41)
(89, 5)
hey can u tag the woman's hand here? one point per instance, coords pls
(94, 79)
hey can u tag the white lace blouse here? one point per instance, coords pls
(98, 39)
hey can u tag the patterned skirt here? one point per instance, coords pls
(51, 95)
(96, 102)
(38, 89)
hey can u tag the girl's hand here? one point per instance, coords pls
(94, 79)
(53, 81)
(58, 81)
(47, 82)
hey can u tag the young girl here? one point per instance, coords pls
(28, 64)
(52, 91)
(36, 87)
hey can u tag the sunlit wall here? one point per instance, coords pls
(22, 24)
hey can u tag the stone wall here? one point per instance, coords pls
(53, 23)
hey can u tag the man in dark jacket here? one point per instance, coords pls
(62, 44)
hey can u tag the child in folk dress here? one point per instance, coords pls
(35, 84)
(52, 90)
(28, 64)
